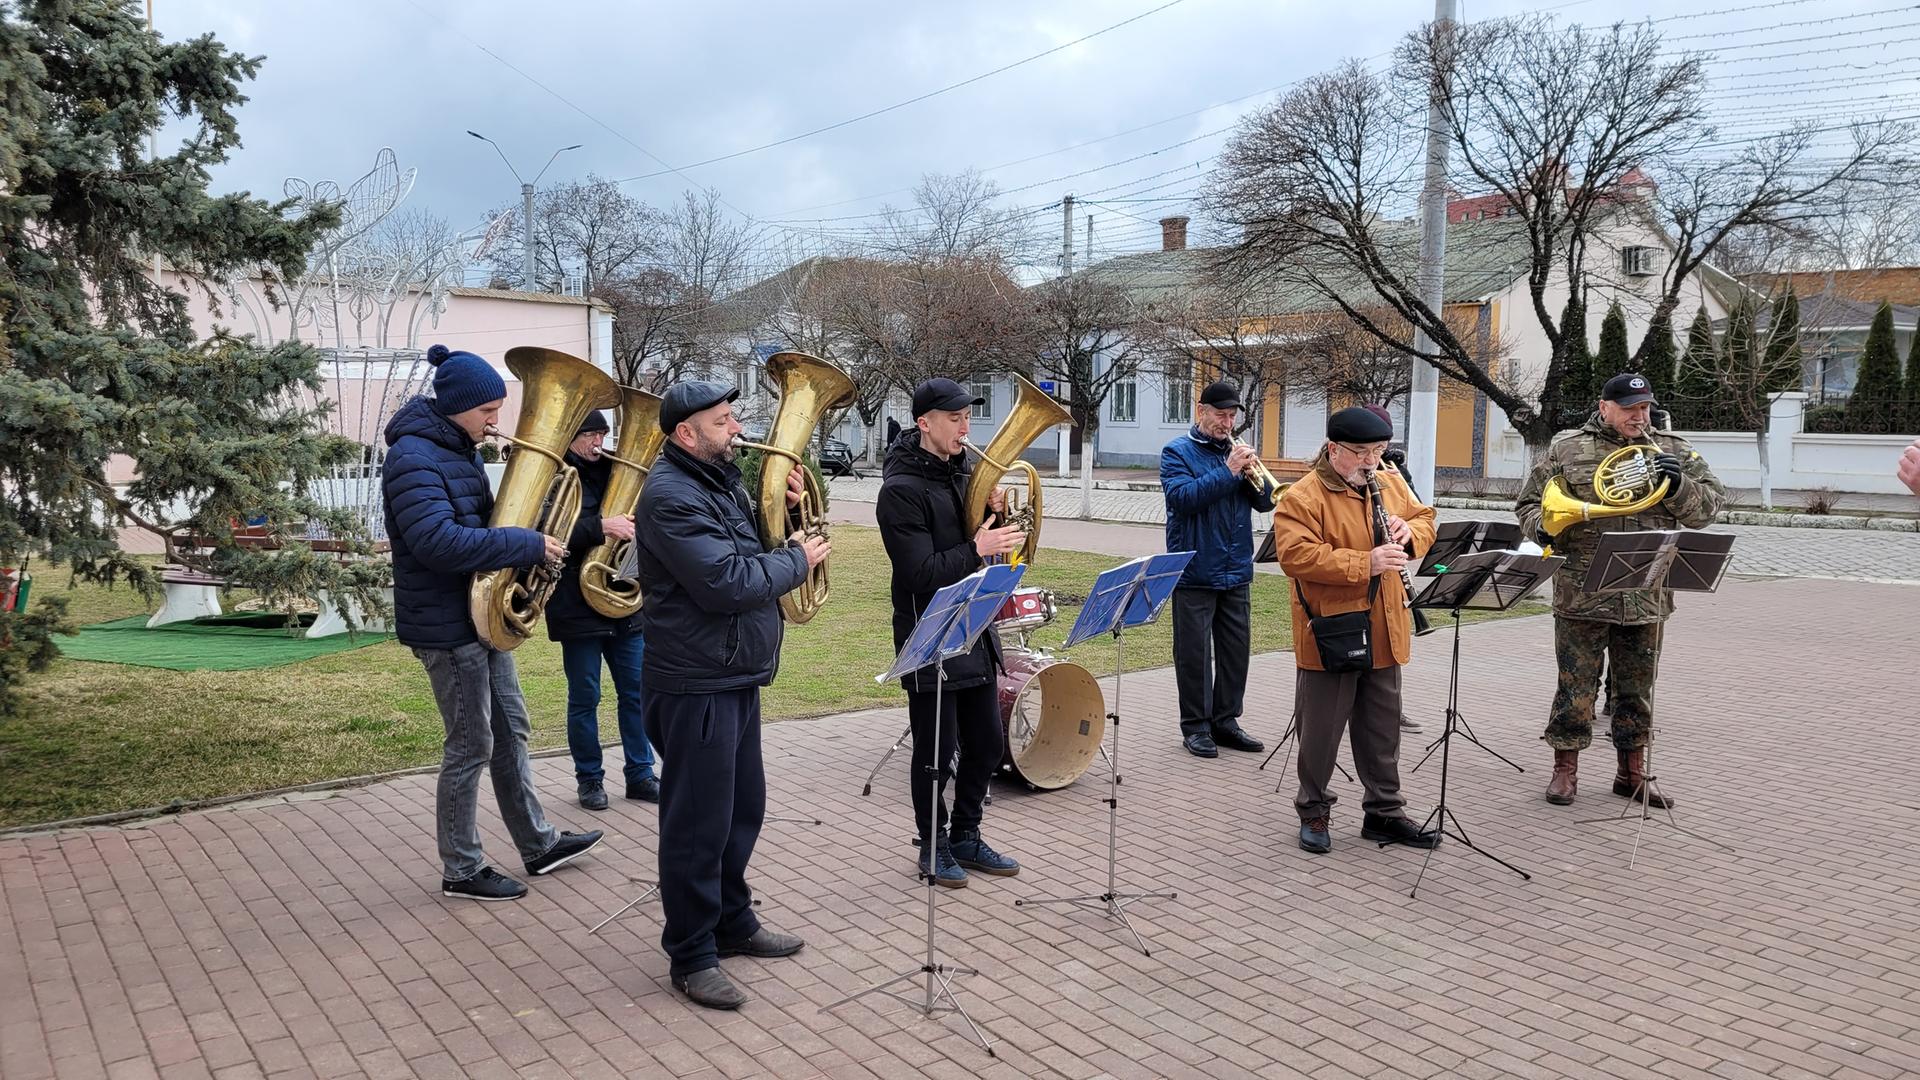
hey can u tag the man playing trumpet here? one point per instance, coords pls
(1620, 629)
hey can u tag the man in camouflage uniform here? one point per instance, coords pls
(1619, 628)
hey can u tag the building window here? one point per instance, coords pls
(984, 391)
(1123, 401)
(1637, 262)
(743, 380)
(1179, 402)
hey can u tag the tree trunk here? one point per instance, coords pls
(1766, 472)
(1086, 480)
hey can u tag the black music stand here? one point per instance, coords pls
(1131, 594)
(1487, 581)
(1454, 541)
(955, 616)
(1677, 559)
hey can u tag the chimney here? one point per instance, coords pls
(1173, 233)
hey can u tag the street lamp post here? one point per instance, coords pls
(526, 203)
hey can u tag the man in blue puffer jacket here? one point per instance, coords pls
(1203, 477)
(437, 506)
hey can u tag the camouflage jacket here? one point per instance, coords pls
(1574, 455)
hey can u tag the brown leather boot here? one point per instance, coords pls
(1628, 779)
(1566, 769)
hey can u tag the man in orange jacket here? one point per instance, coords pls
(1331, 545)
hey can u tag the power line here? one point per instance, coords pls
(910, 101)
(1804, 22)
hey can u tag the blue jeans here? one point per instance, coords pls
(581, 658)
(478, 691)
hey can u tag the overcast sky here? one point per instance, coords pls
(685, 82)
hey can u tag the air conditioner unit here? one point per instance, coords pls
(1637, 262)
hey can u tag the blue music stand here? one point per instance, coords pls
(953, 620)
(1131, 594)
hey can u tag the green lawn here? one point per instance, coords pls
(99, 738)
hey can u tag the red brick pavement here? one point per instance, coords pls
(306, 938)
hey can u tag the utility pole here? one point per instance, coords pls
(1423, 406)
(1066, 235)
(1089, 239)
(526, 204)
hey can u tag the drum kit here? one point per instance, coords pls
(1052, 710)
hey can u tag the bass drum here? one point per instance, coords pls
(1055, 717)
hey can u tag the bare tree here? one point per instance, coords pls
(1086, 334)
(1566, 127)
(954, 216)
(1217, 329)
(665, 311)
(590, 225)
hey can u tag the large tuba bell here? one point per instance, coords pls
(809, 388)
(539, 490)
(1033, 412)
(640, 442)
(1624, 483)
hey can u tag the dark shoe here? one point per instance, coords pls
(1631, 778)
(1397, 830)
(1566, 777)
(765, 943)
(488, 884)
(593, 795)
(1409, 725)
(1314, 836)
(973, 853)
(948, 872)
(569, 847)
(1201, 745)
(1231, 737)
(647, 790)
(710, 987)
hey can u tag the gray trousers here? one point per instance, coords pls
(1326, 702)
(478, 691)
(1212, 643)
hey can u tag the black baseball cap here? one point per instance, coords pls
(1627, 388)
(1221, 395)
(684, 399)
(942, 395)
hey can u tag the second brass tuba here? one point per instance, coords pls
(809, 389)
(1033, 412)
(538, 490)
(640, 442)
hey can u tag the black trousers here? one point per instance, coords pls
(713, 798)
(970, 720)
(1212, 643)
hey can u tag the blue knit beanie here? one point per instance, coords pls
(462, 381)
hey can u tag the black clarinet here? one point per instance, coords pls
(1420, 627)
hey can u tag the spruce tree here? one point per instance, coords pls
(1877, 389)
(1739, 371)
(1695, 381)
(1658, 357)
(1783, 359)
(1612, 358)
(97, 359)
(1913, 384)
(1577, 392)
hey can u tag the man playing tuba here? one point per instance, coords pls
(1621, 629)
(922, 519)
(713, 627)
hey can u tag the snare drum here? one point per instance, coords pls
(1025, 609)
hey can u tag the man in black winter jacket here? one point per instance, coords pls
(920, 512)
(587, 638)
(713, 627)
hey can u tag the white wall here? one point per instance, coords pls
(1798, 460)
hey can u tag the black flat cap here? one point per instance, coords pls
(1627, 388)
(942, 395)
(1358, 424)
(595, 421)
(683, 399)
(1221, 395)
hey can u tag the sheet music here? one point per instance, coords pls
(1487, 580)
(1457, 538)
(629, 568)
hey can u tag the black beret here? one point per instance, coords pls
(595, 421)
(683, 399)
(1358, 424)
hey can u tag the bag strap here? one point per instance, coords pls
(1373, 586)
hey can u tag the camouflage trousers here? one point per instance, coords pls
(1631, 655)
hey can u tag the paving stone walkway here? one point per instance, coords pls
(307, 938)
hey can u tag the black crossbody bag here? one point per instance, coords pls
(1345, 641)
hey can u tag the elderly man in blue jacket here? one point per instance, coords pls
(1203, 475)
(437, 505)
(713, 627)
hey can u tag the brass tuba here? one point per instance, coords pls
(1624, 483)
(539, 490)
(640, 442)
(809, 388)
(1033, 412)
